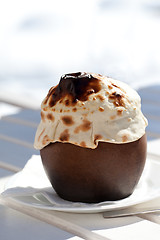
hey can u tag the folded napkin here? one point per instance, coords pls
(32, 181)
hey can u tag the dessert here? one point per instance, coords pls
(92, 138)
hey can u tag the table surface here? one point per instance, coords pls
(17, 131)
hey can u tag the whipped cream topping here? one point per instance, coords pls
(85, 108)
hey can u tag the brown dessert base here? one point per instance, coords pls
(109, 172)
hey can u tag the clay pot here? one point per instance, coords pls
(109, 172)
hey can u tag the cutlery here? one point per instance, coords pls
(51, 218)
(129, 212)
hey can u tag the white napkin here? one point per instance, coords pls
(32, 181)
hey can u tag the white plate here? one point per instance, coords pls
(147, 189)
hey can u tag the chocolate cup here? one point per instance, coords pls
(109, 172)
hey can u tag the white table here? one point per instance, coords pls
(17, 130)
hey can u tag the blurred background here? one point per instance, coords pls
(42, 39)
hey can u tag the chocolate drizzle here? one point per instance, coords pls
(75, 86)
